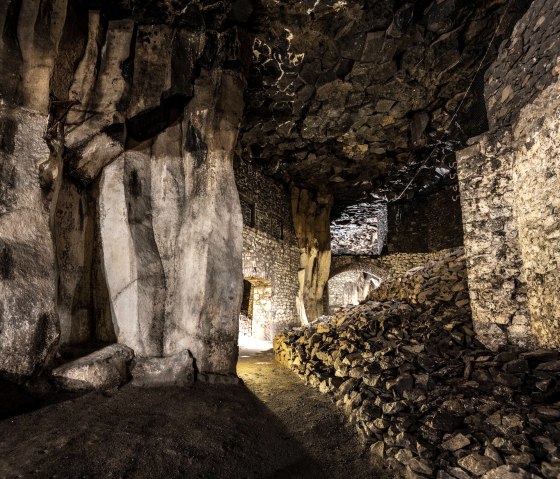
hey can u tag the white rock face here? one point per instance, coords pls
(119, 260)
(171, 232)
(205, 312)
(104, 369)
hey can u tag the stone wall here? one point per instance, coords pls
(270, 250)
(527, 63)
(384, 267)
(425, 224)
(509, 188)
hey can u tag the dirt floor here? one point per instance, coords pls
(273, 426)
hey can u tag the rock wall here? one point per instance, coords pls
(270, 250)
(349, 287)
(508, 185)
(121, 221)
(30, 178)
(425, 224)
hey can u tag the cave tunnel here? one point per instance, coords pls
(278, 238)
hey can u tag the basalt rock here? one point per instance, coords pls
(407, 370)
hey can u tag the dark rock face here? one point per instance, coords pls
(407, 370)
(353, 94)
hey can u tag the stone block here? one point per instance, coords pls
(107, 368)
(176, 370)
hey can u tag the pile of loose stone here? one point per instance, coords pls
(407, 370)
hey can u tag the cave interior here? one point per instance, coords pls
(362, 193)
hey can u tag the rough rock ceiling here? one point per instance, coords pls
(352, 95)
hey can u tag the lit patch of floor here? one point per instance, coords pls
(249, 347)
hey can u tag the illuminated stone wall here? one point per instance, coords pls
(509, 190)
(270, 252)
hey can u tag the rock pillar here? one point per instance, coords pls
(29, 184)
(311, 214)
(205, 317)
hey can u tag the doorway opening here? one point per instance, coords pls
(256, 316)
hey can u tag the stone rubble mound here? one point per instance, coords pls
(423, 393)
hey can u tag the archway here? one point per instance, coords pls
(350, 287)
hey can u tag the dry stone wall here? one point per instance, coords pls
(508, 180)
(270, 249)
(536, 206)
(425, 224)
(384, 267)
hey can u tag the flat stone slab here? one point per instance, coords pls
(176, 370)
(104, 369)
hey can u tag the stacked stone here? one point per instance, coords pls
(423, 393)
(441, 282)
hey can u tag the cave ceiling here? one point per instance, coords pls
(353, 96)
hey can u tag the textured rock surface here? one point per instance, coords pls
(422, 391)
(508, 186)
(107, 368)
(29, 328)
(132, 219)
(526, 64)
(353, 95)
(177, 370)
(210, 244)
(30, 176)
(536, 205)
(311, 221)
(386, 266)
(360, 230)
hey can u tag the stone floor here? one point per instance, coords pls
(272, 426)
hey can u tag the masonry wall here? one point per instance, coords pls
(426, 224)
(384, 267)
(270, 250)
(509, 190)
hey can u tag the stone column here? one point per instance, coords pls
(311, 214)
(205, 317)
(29, 184)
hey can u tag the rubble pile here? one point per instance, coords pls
(423, 393)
